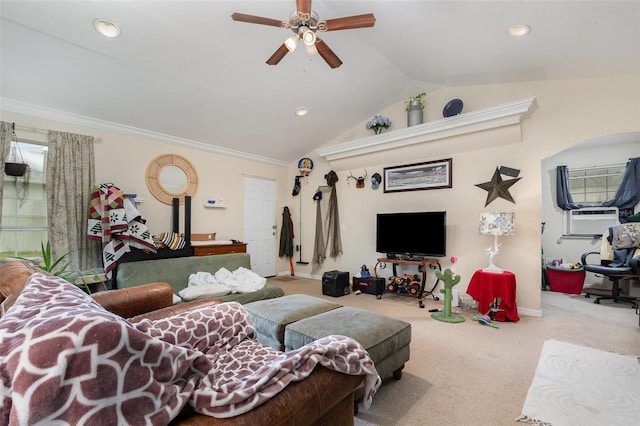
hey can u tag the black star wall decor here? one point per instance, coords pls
(498, 187)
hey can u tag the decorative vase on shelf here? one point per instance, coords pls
(414, 113)
(377, 123)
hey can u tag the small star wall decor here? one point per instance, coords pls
(498, 188)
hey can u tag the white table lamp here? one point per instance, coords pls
(496, 224)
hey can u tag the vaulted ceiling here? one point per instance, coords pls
(185, 72)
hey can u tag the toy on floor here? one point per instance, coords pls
(449, 281)
(485, 321)
(404, 284)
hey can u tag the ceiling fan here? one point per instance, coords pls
(304, 23)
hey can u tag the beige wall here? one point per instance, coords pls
(567, 113)
(123, 160)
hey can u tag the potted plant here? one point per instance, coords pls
(414, 106)
(56, 268)
(15, 169)
(59, 268)
(21, 183)
(14, 165)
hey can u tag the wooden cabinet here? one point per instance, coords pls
(219, 249)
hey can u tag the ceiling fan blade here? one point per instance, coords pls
(303, 6)
(327, 54)
(252, 19)
(278, 55)
(351, 22)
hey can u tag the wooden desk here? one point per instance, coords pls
(486, 286)
(219, 249)
(421, 264)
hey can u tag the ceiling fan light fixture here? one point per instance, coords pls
(308, 37)
(106, 28)
(311, 50)
(305, 23)
(519, 30)
(291, 43)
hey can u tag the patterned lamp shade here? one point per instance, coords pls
(497, 223)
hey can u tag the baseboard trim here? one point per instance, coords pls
(530, 312)
(521, 311)
(301, 275)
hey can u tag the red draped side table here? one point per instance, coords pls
(486, 286)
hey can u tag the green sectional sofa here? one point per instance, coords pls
(176, 271)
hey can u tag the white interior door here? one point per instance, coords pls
(260, 224)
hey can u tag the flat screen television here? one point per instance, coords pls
(412, 235)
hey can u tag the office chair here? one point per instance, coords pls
(630, 270)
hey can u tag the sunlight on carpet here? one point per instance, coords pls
(577, 385)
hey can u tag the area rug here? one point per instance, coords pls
(577, 385)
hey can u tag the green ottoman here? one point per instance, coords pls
(386, 339)
(271, 317)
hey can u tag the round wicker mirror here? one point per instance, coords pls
(171, 176)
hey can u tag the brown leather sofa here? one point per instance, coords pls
(324, 398)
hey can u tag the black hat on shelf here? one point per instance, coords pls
(331, 178)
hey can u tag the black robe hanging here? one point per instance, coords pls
(286, 234)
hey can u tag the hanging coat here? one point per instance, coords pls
(319, 247)
(286, 234)
(334, 225)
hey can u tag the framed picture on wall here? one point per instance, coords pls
(419, 176)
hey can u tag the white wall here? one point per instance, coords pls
(568, 112)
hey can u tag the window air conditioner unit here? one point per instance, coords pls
(590, 220)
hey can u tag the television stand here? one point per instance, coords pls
(422, 267)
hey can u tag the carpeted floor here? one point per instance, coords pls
(283, 278)
(469, 374)
(577, 385)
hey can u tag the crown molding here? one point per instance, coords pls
(495, 117)
(81, 120)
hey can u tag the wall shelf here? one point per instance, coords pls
(215, 206)
(493, 118)
(137, 199)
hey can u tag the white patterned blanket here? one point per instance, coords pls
(66, 360)
(116, 222)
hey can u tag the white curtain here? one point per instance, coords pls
(70, 179)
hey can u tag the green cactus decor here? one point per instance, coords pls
(449, 281)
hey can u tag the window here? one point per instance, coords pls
(595, 185)
(24, 209)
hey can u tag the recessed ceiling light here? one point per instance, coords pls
(106, 28)
(302, 111)
(519, 30)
